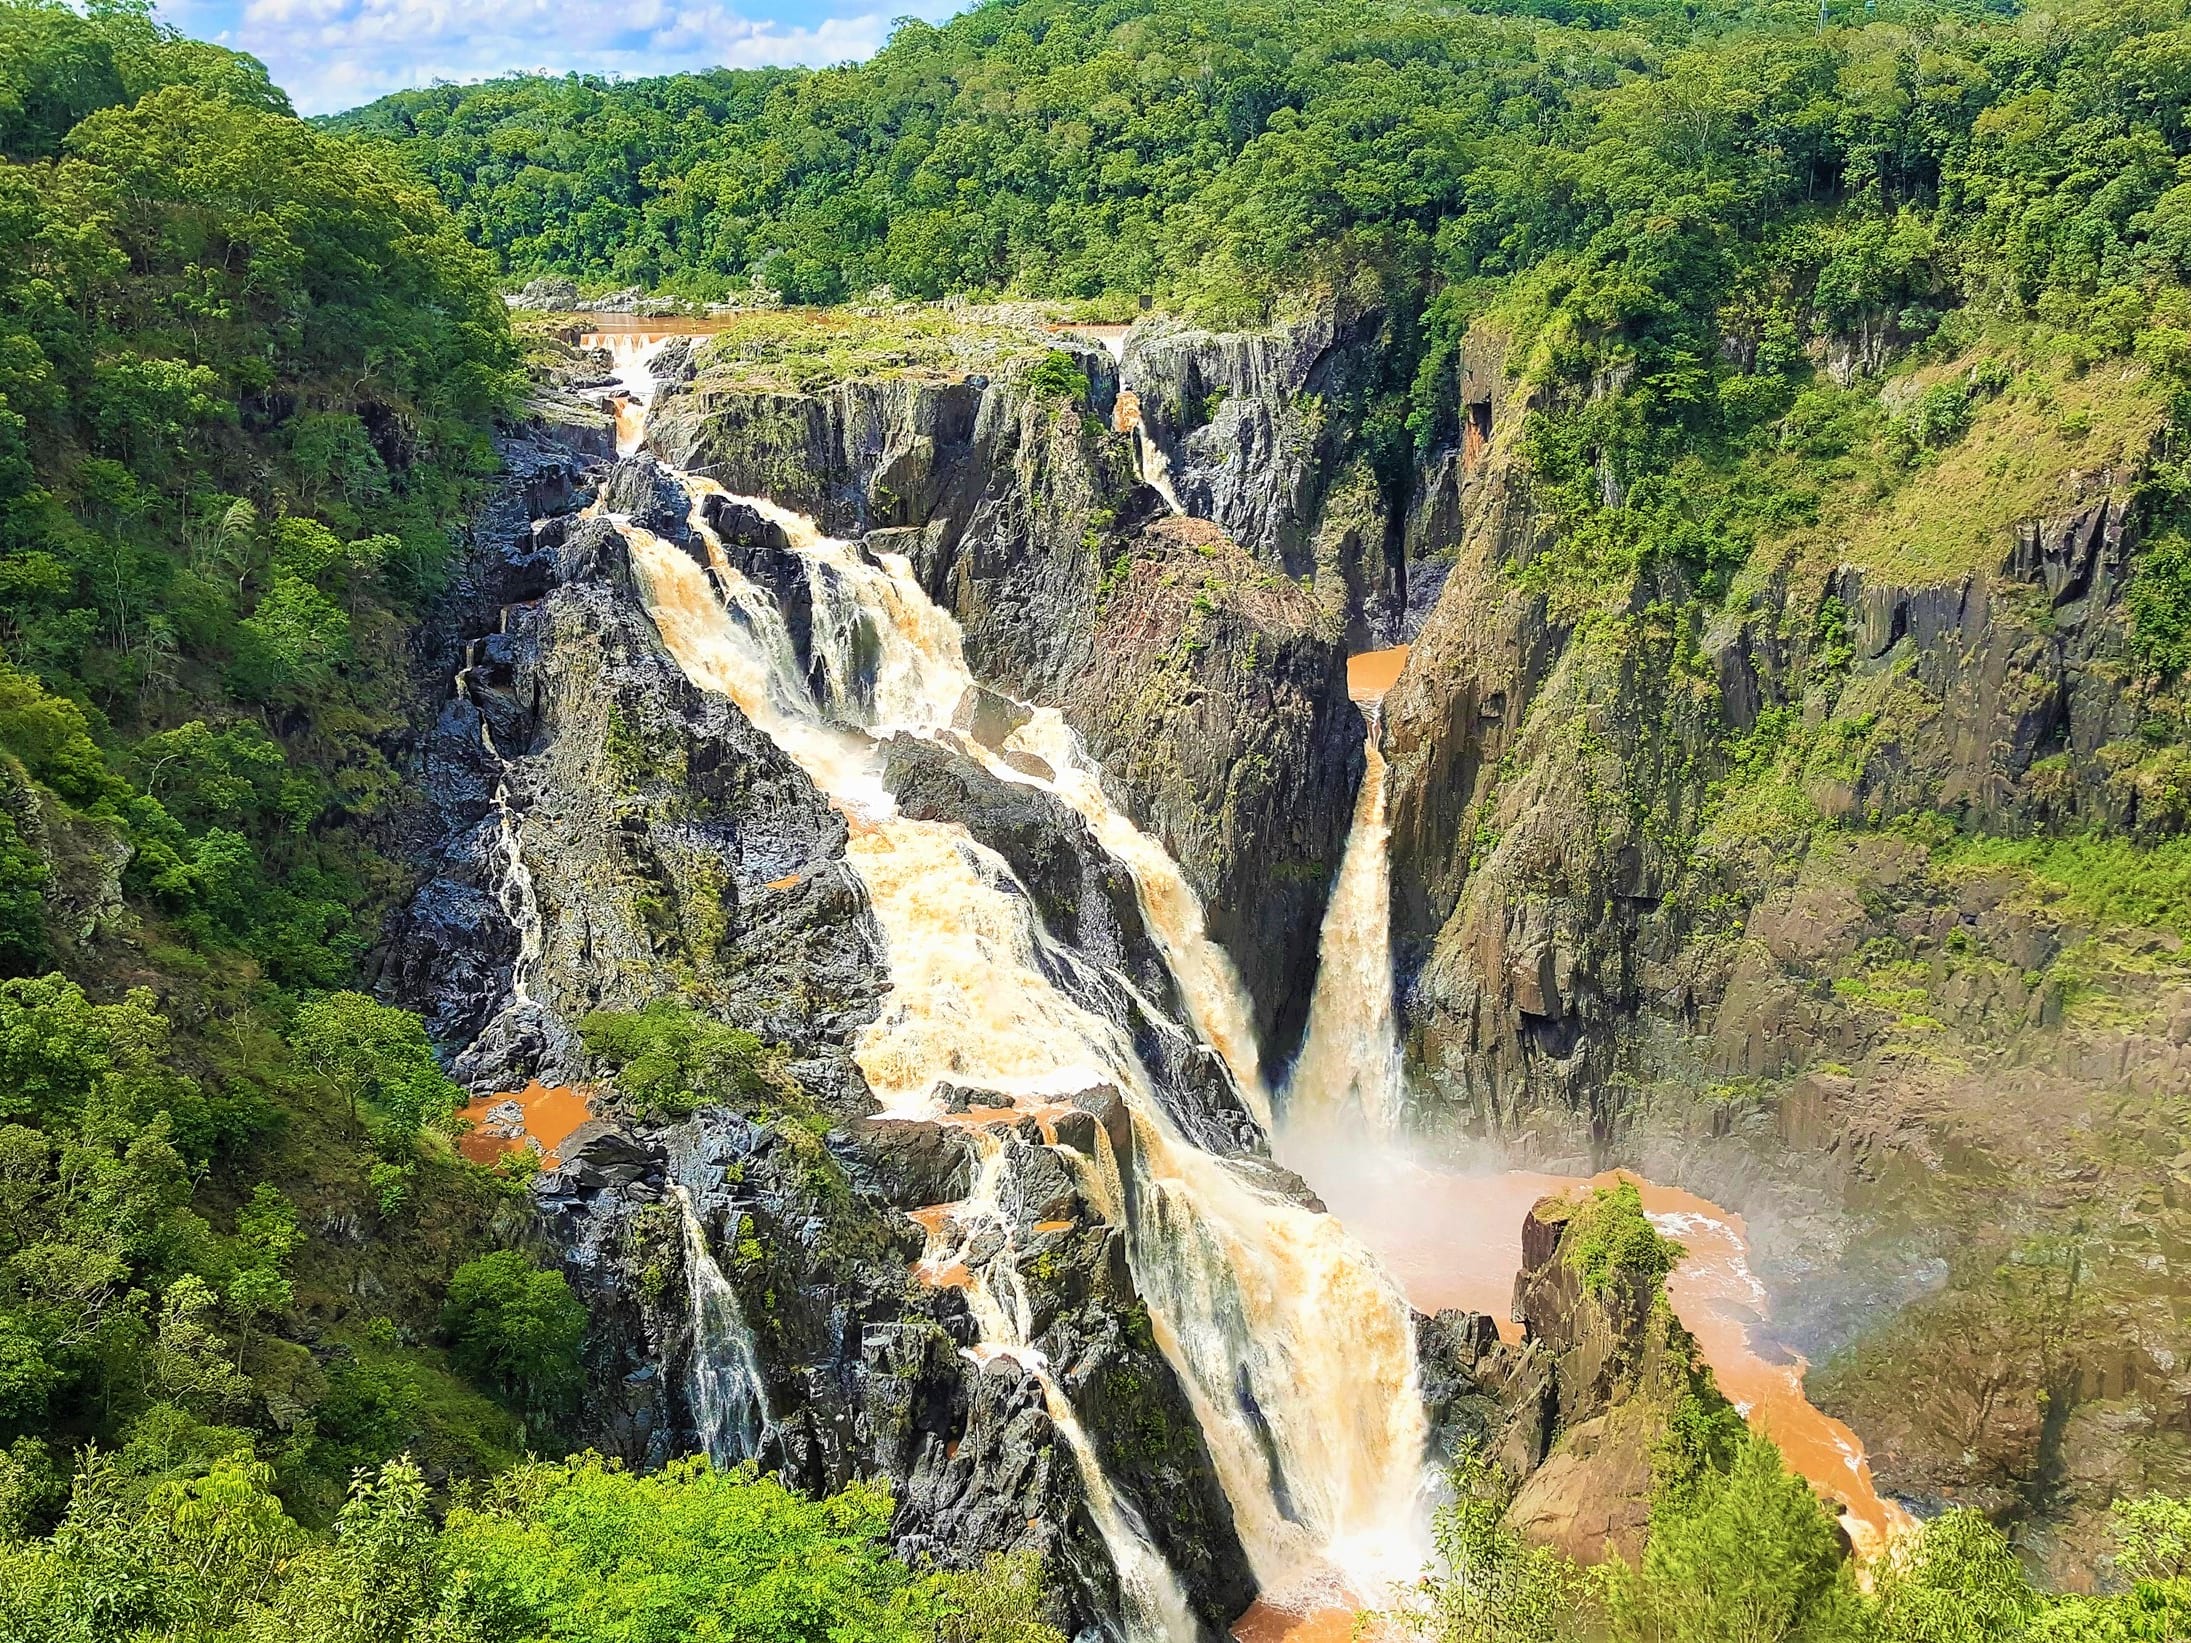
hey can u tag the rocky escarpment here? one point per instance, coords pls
(1764, 903)
(1573, 1415)
(595, 833)
(1262, 434)
(1211, 690)
(1217, 698)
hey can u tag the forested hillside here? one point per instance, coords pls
(1760, 296)
(1686, 207)
(247, 376)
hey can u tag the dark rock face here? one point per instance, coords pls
(1261, 431)
(1611, 950)
(638, 488)
(865, 1366)
(1239, 750)
(1215, 703)
(669, 848)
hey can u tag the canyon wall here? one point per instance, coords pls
(1734, 895)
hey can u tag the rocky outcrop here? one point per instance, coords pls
(868, 1369)
(1262, 433)
(1619, 1367)
(1726, 895)
(1215, 703)
(596, 832)
(1209, 688)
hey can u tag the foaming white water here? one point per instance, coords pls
(1154, 1602)
(1150, 461)
(632, 355)
(1208, 979)
(729, 1401)
(514, 892)
(1348, 1073)
(1294, 1347)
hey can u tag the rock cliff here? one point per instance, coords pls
(1022, 511)
(595, 832)
(1787, 895)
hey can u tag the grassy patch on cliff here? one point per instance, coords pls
(802, 350)
(1977, 445)
(2110, 883)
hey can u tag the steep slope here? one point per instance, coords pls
(1831, 902)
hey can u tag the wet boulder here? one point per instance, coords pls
(907, 1163)
(641, 490)
(988, 716)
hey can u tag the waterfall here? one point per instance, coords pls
(1295, 1349)
(513, 890)
(729, 1402)
(1150, 462)
(1349, 1067)
(1154, 1604)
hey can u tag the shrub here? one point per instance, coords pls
(671, 1061)
(2159, 598)
(1609, 1238)
(516, 1327)
(1750, 1554)
(1487, 1585)
(1057, 375)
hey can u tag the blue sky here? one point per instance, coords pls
(334, 54)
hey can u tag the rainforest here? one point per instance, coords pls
(1170, 821)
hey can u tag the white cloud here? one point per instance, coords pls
(335, 54)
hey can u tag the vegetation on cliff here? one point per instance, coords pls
(247, 375)
(575, 1550)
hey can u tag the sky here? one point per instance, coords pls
(335, 54)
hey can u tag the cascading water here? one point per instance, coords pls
(1349, 1067)
(1318, 1432)
(1154, 1603)
(513, 890)
(632, 355)
(729, 1400)
(1150, 461)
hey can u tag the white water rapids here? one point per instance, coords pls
(1294, 1347)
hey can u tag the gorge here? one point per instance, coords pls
(1069, 1108)
(1172, 819)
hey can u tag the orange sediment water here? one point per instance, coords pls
(545, 1115)
(1266, 1623)
(1455, 1241)
(1371, 673)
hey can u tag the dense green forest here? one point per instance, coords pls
(247, 377)
(1691, 205)
(263, 1372)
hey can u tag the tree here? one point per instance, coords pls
(516, 1327)
(1745, 1556)
(377, 1055)
(1487, 1585)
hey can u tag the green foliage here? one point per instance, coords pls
(517, 1328)
(1057, 374)
(670, 1061)
(1748, 1554)
(1001, 1602)
(382, 1062)
(577, 1551)
(248, 373)
(2114, 882)
(1609, 1241)
(1956, 1582)
(2159, 601)
(1488, 1585)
